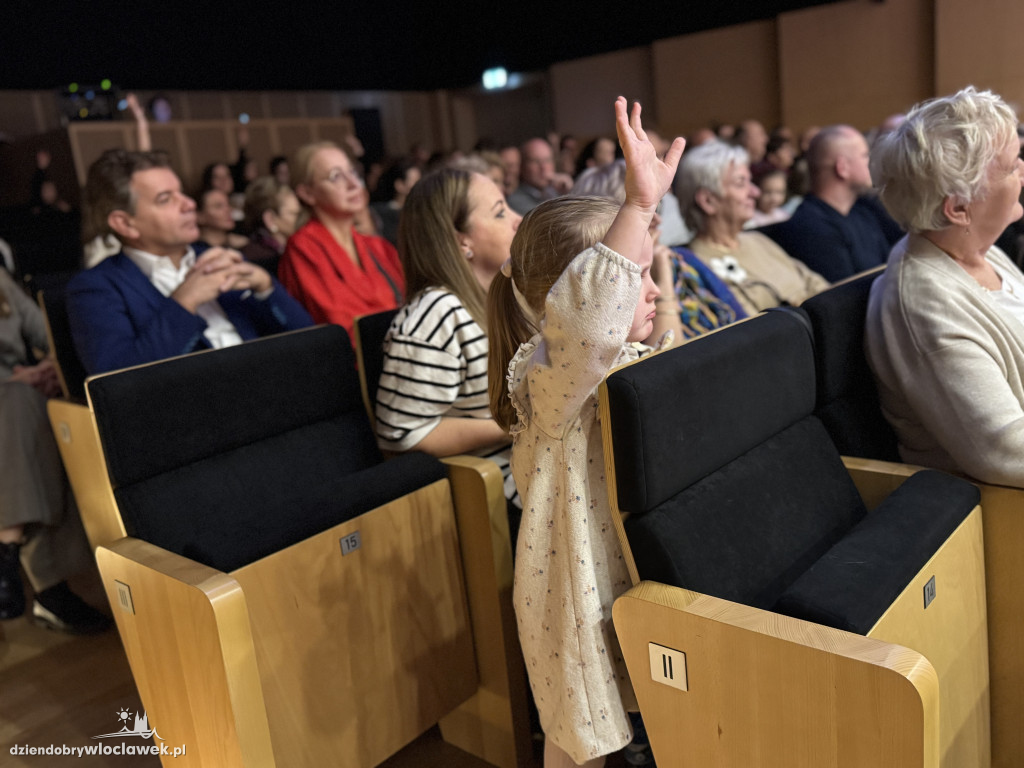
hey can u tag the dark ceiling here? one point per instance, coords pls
(302, 45)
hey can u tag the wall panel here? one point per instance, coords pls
(582, 91)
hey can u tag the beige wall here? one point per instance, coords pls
(583, 91)
(854, 62)
(723, 75)
(980, 43)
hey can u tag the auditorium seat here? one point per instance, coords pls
(70, 370)
(285, 597)
(817, 629)
(370, 331)
(848, 406)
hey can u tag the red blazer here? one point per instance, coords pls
(333, 288)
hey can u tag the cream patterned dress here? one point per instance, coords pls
(569, 567)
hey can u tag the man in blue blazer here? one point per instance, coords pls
(159, 297)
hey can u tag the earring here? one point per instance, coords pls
(273, 228)
(469, 254)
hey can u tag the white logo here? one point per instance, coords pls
(140, 727)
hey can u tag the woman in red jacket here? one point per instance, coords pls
(336, 273)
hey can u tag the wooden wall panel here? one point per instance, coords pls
(583, 91)
(854, 62)
(979, 43)
(723, 75)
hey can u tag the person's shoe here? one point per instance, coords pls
(638, 751)
(12, 591)
(61, 609)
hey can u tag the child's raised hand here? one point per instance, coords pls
(647, 177)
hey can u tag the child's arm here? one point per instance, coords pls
(647, 181)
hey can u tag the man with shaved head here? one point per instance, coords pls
(834, 231)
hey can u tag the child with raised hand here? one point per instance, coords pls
(573, 301)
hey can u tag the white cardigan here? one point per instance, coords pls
(949, 363)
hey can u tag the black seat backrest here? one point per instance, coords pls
(732, 485)
(847, 401)
(228, 455)
(370, 332)
(72, 372)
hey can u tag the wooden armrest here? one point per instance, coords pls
(78, 440)
(766, 689)
(185, 629)
(493, 724)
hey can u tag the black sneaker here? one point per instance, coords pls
(12, 592)
(638, 751)
(61, 609)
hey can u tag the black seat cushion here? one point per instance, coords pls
(750, 529)
(237, 507)
(853, 585)
(678, 416)
(847, 401)
(228, 455)
(213, 402)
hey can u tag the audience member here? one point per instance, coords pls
(158, 297)
(334, 270)
(717, 197)
(752, 136)
(768, 210)
(455, 235)
(271, 215)
(213, 215)
(693, 299)
(537, 175)
(39, 524)
(832, 232)
(596, 154)
(280, 171)
(512, 160)
(388, 198)
(945, 326)
(483, 162)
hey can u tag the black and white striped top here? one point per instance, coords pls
(435, 365)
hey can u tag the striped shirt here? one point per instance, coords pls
(435, 366)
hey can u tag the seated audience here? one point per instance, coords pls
(213, 215)
(536, 175)
(832, 231)
(772, 187)
(483, 162)
(389, 196)
(280, 171)
(39, 524)
(717, 197)
(945, 323)
(271, 215)
(596, 154)
(335, 271)
(512, 160)
(693, 299)
(455, 235)
(159, 297)
(752, 136)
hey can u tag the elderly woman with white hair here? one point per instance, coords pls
(945, 323)
(693, 299)
(717, 198)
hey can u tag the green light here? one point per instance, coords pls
(105, 84)
(73, 88)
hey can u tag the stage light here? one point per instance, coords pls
(105, 84)
(73, 88)
(244, 118)
(90, 95)
(122, 105)
(494, 78)
(83, 112)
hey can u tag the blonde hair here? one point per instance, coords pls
(435, 212)
(943, 149)
(549, 238)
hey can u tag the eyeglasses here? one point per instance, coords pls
(338, 175)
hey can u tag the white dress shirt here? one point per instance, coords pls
(166, 278)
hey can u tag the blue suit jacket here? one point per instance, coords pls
(118, 318)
